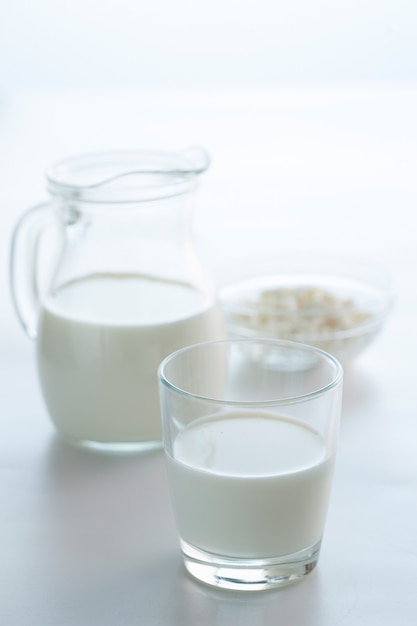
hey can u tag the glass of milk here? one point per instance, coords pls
(250, 451)
(122, 289)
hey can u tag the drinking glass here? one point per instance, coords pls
(250, 430)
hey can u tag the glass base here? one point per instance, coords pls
(249, 574)
(124, 447)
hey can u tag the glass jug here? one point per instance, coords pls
(126, 290)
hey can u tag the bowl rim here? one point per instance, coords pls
(356, 272)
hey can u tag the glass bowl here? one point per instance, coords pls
(337, 305)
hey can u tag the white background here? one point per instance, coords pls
(132, 43)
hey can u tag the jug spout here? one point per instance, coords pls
(196, 158)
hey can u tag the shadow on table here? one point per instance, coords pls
(163, 594)
(104, 513)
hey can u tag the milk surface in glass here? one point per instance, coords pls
(250, 485)
(100, 341)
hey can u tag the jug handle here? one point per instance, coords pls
(24, 253)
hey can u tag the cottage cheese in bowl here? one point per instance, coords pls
(338, 308)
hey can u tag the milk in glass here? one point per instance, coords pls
(250, 485)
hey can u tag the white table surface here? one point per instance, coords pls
(90, 539)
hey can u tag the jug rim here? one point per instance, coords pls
(126, 176)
